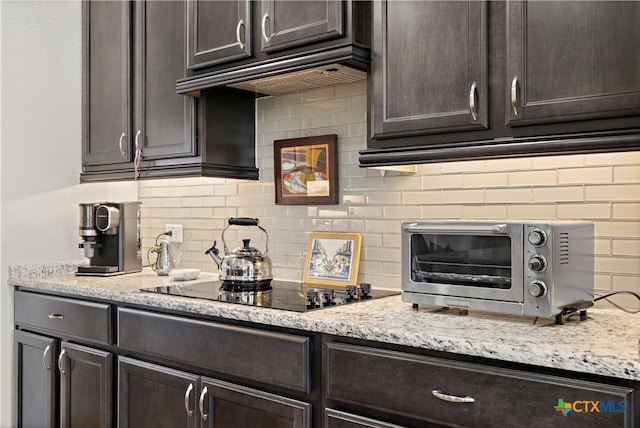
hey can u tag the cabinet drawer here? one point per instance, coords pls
(274, 358)
(407, 385)
(67, 318)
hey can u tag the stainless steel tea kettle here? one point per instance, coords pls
(164, 263)
(245, 267)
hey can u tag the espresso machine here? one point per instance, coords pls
(110, 238)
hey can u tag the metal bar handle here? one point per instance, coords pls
(203, 394)
(240, 24)
(452, 398)
(244, 221)
(122, 152)
(473, 108)
(45, 357)
(187, 394)
(138, 134)
(60, 360)
(499, 229)
(514, 95)
(264, 28)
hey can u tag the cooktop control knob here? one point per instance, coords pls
(537, 263)
(537, 237)
(537, 289)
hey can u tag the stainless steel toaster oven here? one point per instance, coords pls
(532, 268)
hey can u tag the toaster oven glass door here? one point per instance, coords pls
(481, 264)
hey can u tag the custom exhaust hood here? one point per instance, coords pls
(312, 78)
(330, 68)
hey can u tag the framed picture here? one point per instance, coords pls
(306, 170)
(332, 259)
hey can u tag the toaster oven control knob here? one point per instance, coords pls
(537, 263)
(537, 237)
(537, 289)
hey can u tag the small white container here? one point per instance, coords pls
(184, 274)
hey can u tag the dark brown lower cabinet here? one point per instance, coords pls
(152, 395)
(427, 391)
(36, 380)
(338, 419)
(71, 387)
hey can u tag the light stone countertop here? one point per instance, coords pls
(606, 344)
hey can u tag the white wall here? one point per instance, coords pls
(603, 188)
(40, 161)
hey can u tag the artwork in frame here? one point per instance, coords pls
(332, 259)
(306, 170)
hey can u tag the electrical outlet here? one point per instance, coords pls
(176, 232)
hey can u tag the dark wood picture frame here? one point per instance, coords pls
(306, 170)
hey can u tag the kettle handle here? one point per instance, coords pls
(244, 221)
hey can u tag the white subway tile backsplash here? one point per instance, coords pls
(584, 211)
(558, 194)
(484, 211)
(533, 178)
(531, 212)
(602, 187)
(492, 179)
(614, 192)
(585, 175)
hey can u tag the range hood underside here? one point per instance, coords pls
(317, 69)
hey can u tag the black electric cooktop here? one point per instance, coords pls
(287, 295)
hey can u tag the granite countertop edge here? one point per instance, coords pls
(606, 344)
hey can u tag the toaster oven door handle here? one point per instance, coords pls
(497, 229)
(452, 398)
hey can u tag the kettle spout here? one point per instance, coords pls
(213, 253)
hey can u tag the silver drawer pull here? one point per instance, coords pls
(187, 394)
(452, 398)
(56, 316)
(203, 395)
(60, 360)
(264, 28)
(514, 95)
(473, 108)
(240, 25)
(45, 357)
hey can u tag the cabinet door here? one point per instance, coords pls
(288, 23)
(338, 419)
(429, 67)
(36, 380)
(150, 395)
(456, 393)
(226, 405)
(571, 60)
(219, 31)
(86, 386)
(106, 82)
(164, 126)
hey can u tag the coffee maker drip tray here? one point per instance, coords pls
(286, 295)
(99, 271)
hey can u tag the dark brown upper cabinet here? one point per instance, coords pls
(569, 60)
(228, 40)
(107, 123)
(133, 53)
(286, 36)
(163, 119)
(478, 80)
(430, 70)
(285, 23)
